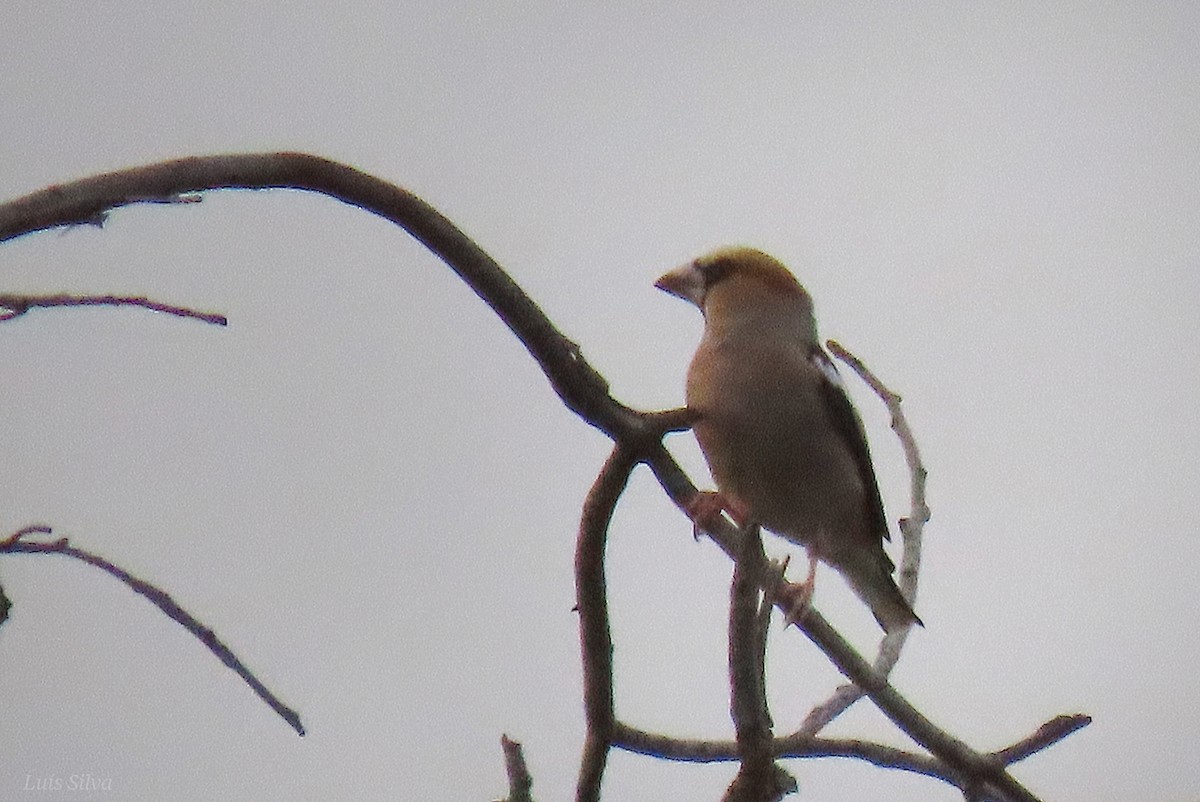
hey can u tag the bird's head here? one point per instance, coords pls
(737, 285)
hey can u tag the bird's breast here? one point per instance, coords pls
(765, 434)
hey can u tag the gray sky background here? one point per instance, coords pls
(368, 490)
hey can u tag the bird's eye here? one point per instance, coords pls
(713, 270)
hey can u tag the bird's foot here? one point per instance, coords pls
(705, 509)
(798, 596)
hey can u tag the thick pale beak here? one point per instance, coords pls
(684, 282)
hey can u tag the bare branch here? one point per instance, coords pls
(1048, 734)
(652, 744)
(758, 779)
(747, 682)
(748, 686)
(17, 305)
(595, 639)
(17, 545)
(667, 421)
(520, 784)
(688, 750)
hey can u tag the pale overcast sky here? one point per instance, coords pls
(367, 489)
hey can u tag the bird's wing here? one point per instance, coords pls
(849, 428)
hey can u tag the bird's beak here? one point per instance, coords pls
(684, 282)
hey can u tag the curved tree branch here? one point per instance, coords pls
(911, 528)
(88, 201)
(595, 639)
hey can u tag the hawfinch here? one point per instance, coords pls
(782, 440)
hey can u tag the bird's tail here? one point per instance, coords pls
(872, 580)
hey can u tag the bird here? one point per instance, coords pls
(782, 439)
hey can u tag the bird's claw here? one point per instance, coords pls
(799, 595)
(706, 506)
(704, 509)
(798, 598)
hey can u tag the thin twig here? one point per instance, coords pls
(913, 525)
(911, 528)
(164, 602)
(17, 305)
(1048, 734)
(32, 529)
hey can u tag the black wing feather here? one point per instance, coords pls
(850, 428)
